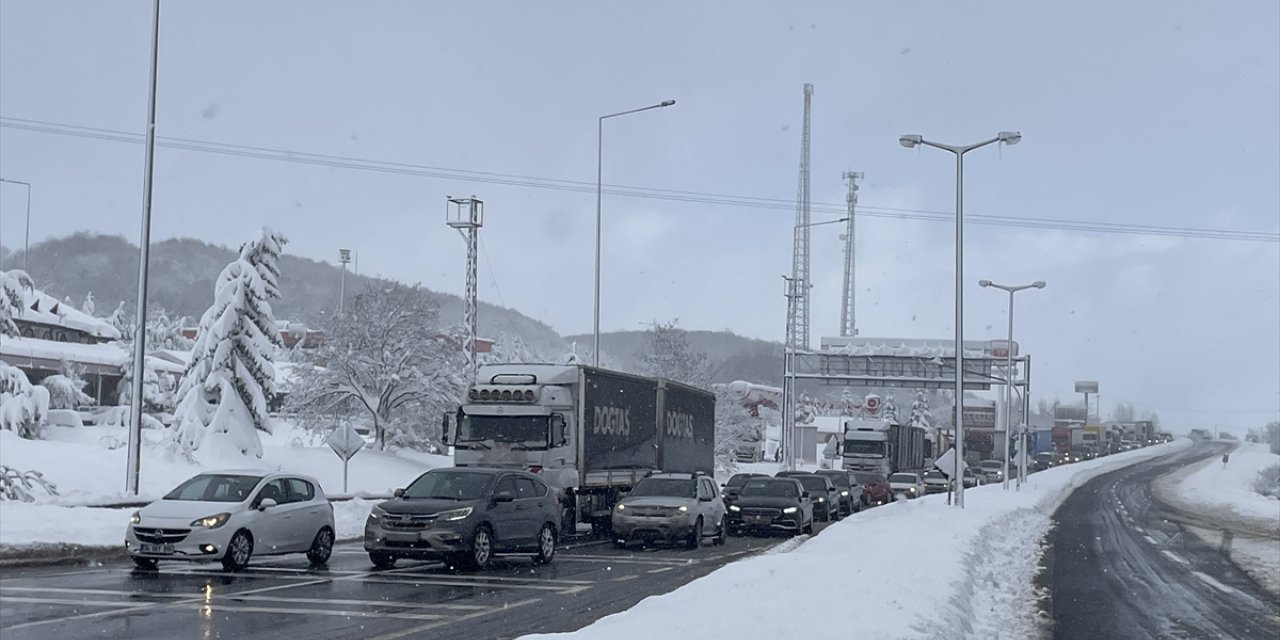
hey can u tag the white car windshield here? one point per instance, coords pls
(215, 488)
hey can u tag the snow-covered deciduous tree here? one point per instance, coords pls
(231, 375)
(920, 416)
(120, 320)
(11, 299)
(1122, 413)
(384, 360)
(667, 354)
(19, 485)
(23, 406)
(87, 306)
(735, 428)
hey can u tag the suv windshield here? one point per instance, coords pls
(668, 487)
(838, 479)
(530, 430)
(739, 479)
(450, 485)
(813, 483)
(935, 475)
(770, 489)
(215, 488)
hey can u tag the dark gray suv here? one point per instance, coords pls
(465, 517)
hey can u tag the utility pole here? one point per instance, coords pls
(800, 248)
(848, 328)
(468, 214)
(787, 440)
(26, 243)
(344, 256)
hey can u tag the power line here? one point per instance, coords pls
(676, 195)
(492, 276)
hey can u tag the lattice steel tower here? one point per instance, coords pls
(847, 308)
(468, 214)
(800, 250)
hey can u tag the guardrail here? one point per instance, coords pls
(138, 504)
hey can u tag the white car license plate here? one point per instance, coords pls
(149, 547)
(759, 519)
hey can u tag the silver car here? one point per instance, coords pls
(231, 517)
(671, 507)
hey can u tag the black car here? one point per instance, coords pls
(823, 492)
(772, 504)
(465, 516)
(729, 490)
(851, 498)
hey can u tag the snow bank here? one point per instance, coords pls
(1231, 487)
(912, 569)
(88, 466)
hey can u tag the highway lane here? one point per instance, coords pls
(1122, 565)
(348, 598)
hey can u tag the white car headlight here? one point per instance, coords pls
(844, 493)
(734, 507)
(682, 509)
(376, 513)
(135, 518)
(454, 514)
(822, 499)
(212, 522)
(621, 507)
(790, 510)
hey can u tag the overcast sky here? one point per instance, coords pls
(1139, 113)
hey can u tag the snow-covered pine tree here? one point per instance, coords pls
(231, 375)
(120, 320)
(11, 299)
(921, 416)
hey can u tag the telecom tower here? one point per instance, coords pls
(847, 309)
(800, 250)
(468, 214)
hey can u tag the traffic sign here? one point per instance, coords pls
(345, 441)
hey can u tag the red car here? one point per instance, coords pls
(875, 488)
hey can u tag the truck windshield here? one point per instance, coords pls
(528, 430)
(864, 447)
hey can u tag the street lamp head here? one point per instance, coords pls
(984, 283)
(1039, 284)
(1009, 137)
(666, 103)
(910, 140)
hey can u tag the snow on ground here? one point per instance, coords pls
(912, 569)
(88, 472)
(1230, 486)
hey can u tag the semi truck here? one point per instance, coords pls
(590, 433)
(883, 447)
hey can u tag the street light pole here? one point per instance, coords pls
(595, 343)
(1008, 365)
(910, 141)
(26, 243)
(140, 328)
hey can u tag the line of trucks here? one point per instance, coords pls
(590, 433)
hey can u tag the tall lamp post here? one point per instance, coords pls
(788, 440)
(911, 141)
(595, 342)
(134, 459)
(1008, 365)
(26, 243)
(344, 256)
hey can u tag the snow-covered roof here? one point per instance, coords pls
(106, 354)
(905, 348)
(41, 308)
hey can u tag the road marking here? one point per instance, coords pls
(626, 578)
(1175, 557)
(660, 570)
(1149, 539)
(1214, 583)
(431, 625)
(672, 562)
(237, 597)
(482, 578)
(66, 601)
(216, 607)
(97, 614)
(450, 582)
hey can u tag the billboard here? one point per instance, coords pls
(1086, 386)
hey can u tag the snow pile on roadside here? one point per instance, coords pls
(1231, 486)
(915, 569)
(87, 472)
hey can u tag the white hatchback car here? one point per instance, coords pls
(232, 516)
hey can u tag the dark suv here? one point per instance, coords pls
(729, 490)
(823, 493)
(465, 516)
(769, 504)
(851, 499)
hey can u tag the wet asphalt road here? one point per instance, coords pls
(282, 596)
(1122, 565)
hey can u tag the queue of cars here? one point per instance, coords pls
(468, 516)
